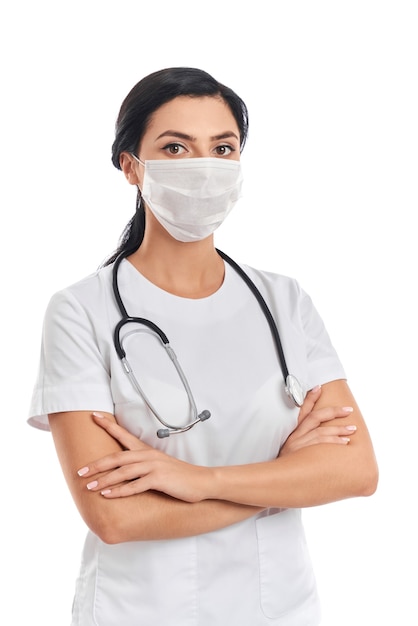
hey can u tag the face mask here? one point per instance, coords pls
(191, 197)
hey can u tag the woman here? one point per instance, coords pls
(199, 523)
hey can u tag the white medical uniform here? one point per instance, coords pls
(253, 573)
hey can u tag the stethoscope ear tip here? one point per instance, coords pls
(162, 433)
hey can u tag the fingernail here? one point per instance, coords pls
(92, 485)
(105, 492)
(351, 427)
(97, 414)
(343, 439)
(349, 409)
(83, 471)
(317, 388)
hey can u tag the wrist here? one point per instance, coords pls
(215, 482)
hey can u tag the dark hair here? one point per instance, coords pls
(134, 116)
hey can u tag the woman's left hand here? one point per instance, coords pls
(312, 425)
(141, 468)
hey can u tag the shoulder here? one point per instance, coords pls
(92, 285)
(306, 342)
(87, 292)
(276, 286)
(284, 296)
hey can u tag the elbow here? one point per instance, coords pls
(371, 484)
(107, 527)
(104, 531)
(368, 481)
(115, 521)
(119, 520)
(108, 535)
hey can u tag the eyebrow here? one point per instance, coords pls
(175, 133)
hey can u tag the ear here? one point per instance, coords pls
(130, 169)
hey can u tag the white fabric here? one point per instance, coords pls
(191, 197)
(253, 573)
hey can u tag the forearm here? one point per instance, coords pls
(152, 516)
(312, 476)
(135, 492)
(142, 516)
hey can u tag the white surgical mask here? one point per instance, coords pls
(191, 197)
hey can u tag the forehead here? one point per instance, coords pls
(194, 115)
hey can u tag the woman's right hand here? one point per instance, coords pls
(312, 428)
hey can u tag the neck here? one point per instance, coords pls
(189, 270)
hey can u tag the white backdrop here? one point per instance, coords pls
(330, 197)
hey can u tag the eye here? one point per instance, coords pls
(174, 149)
(224, 150)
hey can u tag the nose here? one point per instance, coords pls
(201, 152)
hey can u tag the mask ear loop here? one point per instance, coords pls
(139, 204)
(139, 200)
(138, 159)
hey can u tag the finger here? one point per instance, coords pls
(340, 431)
(127, 439)
(111, 462)
(123, 475)
(316, 437)
(319, 439)
(126, 490)
(318, 417)
(309, 402)
(326, 434)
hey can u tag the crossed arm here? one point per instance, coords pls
(328, 457)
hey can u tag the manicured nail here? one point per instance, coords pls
(105, 492)
(317, 388)
(98, 414)
(352, 428)
(343, 439)
(83, 471)
(349, 409)
(92, 485)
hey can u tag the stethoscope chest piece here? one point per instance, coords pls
(295, 390)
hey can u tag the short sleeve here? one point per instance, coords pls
(322, 360)
(73, 375)
(309, 352)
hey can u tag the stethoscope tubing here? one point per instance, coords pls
(265, 309)
(140, 320)
(292, 386)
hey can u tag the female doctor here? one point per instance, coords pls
(188, 448)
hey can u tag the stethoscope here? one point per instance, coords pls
(293, 387)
